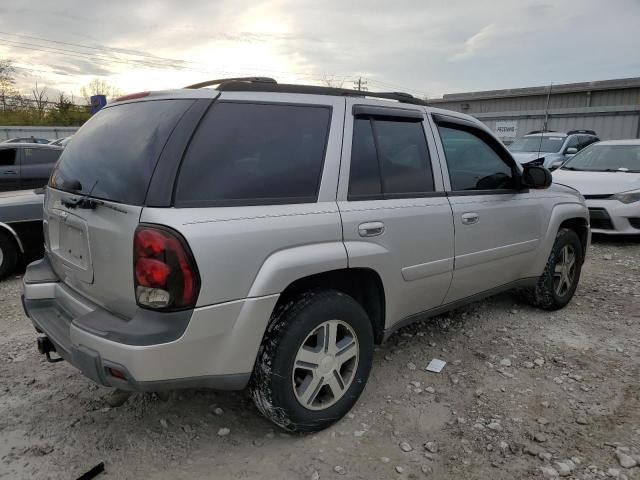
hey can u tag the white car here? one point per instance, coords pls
(608, 176)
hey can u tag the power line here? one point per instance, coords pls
(163, 62)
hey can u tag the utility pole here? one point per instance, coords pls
(360, 85)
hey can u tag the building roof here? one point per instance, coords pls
(615, 84)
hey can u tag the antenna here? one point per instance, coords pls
(546, 119)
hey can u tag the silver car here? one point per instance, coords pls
(550, 149)
(608, 175)
(268, 235)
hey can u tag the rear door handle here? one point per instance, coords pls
(371, 229)
(470, 218)
(10, 172)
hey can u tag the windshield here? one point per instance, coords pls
(533, 144)
(603, 158)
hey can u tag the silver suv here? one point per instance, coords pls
(269, 235)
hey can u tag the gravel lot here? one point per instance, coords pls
(525, 394)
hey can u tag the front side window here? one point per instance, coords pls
(389, 159)
(472, 163)
(253, 154)
(7, 157)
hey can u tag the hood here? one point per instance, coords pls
(526, 157)
(598, 183)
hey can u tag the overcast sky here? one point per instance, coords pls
(424, 47)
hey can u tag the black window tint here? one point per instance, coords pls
(7, 157)
(472, 163)
(34, 156)
(404, 157)
(248, 154)
(364, 175)
(114, 154)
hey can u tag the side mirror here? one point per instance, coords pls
(535, 176)
(571, 151)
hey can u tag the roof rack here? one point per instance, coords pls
(265, 84)
(532, 132)
(587, 132)
(221, 81)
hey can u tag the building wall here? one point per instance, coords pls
(610, 108)
(39, 132)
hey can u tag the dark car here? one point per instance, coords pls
(20, 228)
(30, 139)
(26, 165)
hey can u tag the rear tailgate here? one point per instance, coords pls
(96, 195)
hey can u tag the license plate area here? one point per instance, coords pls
(69, 243)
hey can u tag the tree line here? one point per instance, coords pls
(38, 107)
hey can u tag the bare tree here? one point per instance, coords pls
(99, 87)
(7, 89)
(332, 82)
(40, 100)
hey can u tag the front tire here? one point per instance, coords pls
(8, 255)
(314, 361)
(557, 284)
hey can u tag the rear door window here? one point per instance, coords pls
(114, 154)
(36, 156)
(389, 159)
(255, 154)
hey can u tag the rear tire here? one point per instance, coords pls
(8, 255)
(314, 361)
(557, 284)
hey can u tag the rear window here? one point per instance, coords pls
(35, 156)
(114, 154)
(255, 154)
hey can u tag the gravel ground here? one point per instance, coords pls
(525, 394)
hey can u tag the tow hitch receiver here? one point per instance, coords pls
(46, 346)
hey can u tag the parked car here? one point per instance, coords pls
(20, 228)
(30, 139)
(270, 235)
(61, 142)
(608, 175)
(550, 149)
(26, 165)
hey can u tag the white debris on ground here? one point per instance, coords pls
(525, 394)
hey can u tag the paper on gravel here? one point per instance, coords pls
(436, 365)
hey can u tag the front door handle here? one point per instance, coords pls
(371, 229)
(10, 172)
(470, 218)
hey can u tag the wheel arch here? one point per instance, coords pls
(11, 233)
(364, 285)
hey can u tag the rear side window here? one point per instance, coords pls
(255, 154)
(35, 156)
(7, 157)
(389, 159)
(114, 154)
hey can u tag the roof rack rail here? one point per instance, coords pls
(532, 132)
(233, 85)
(587, 132)
(221, 81)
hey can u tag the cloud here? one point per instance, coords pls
(422, 46)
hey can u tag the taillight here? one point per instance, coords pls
(132, 96)
(165, 273)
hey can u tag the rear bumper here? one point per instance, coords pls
(612, 217)
(213, 346)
